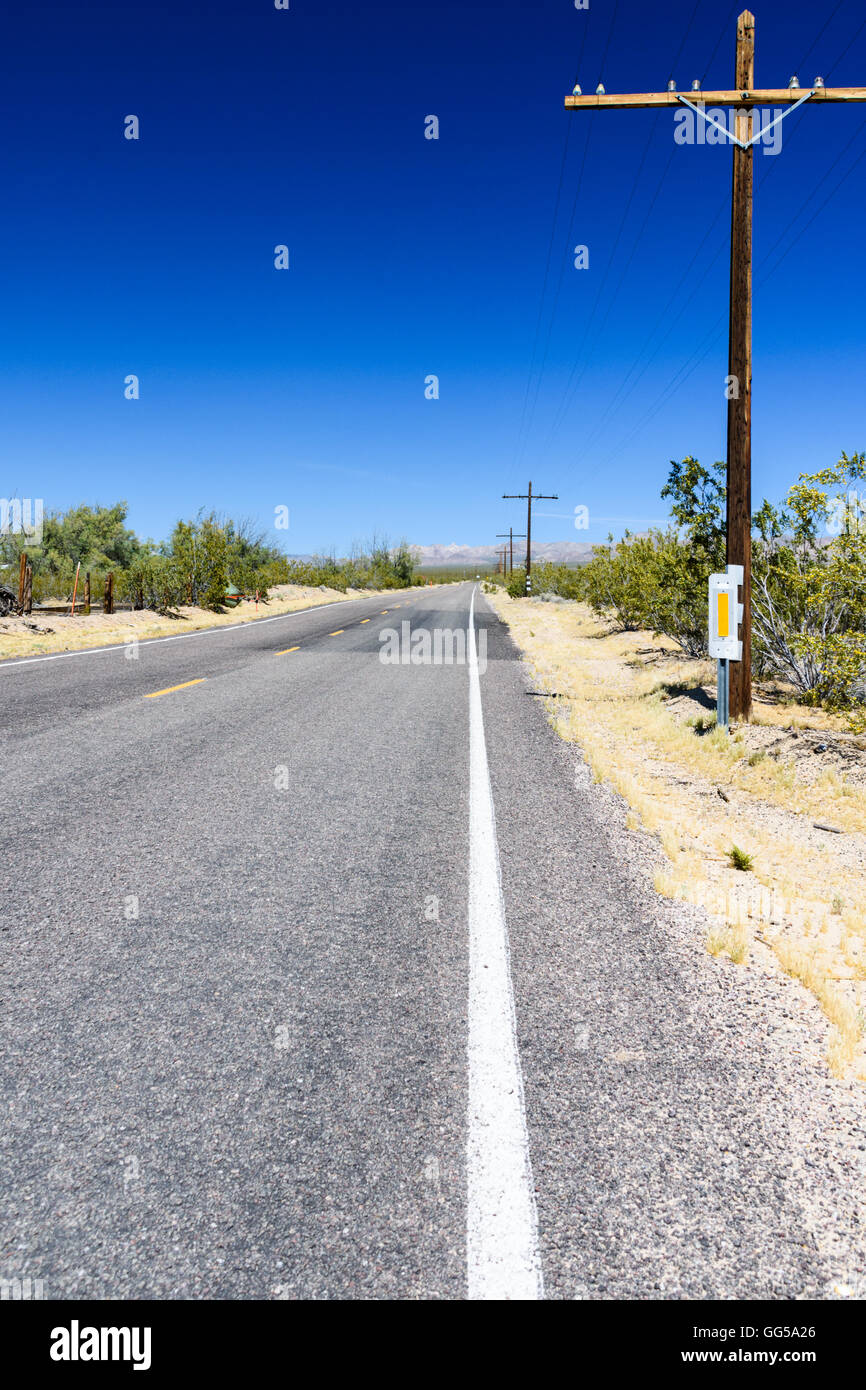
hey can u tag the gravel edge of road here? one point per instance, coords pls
(829, 1167)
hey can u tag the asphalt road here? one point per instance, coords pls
(255, 1011)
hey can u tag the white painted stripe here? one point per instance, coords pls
(503, 1260)
(10, 662)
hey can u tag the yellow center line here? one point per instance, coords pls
(364, 620)
(169, 688)
(384, 610)
(337, 633)
(286, 650)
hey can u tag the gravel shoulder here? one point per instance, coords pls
(688, 1138)
(640, 713)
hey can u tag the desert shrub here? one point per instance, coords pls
(809, 588)
(515, 583)
(549, 578)
(659, 580)
(618, 579)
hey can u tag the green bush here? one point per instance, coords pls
(740, 859)
(548, 578)
(515, 584)
(620, 581)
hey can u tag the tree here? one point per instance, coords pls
(95, 536)
(213, 561)
(659, 581)
(698, 497)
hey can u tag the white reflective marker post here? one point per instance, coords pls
(725, 616)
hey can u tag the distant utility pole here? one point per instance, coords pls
(739, 384)
(511, 533)
(527, 497)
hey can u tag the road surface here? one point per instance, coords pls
(271, 1030)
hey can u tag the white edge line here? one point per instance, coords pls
(502, 1253)
(7, 663)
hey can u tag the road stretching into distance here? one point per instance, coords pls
(272, 1029)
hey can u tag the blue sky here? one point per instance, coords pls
(411, 257)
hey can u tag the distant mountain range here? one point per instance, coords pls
(557, 552)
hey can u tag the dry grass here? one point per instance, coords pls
(805, 964)
(643, 716)
(104, 630)
(732, 941)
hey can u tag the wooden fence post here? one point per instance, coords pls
(108, 599)
(22, 575)
(87, 593)
(75, 589)
(28, 589)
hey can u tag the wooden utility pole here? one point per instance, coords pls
(527, 497)
(739, 385)
(511, 533)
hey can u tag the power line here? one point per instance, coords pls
(820, 209)
(574, 380)
(838, 60)
(699, 357)
(519, 446)
(524, 439)
(724, 31)
(570, 393)
(695, 360)
(662, 318)
(597, 428)
(795, 125)
(826, 24)
(684, 38)
(609, 37)
(543, 293)
(565, 258)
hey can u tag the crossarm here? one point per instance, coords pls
(768, 96)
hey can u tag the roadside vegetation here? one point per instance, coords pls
(198, 563)
(808, 579)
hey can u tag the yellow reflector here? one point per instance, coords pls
(724, 628)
